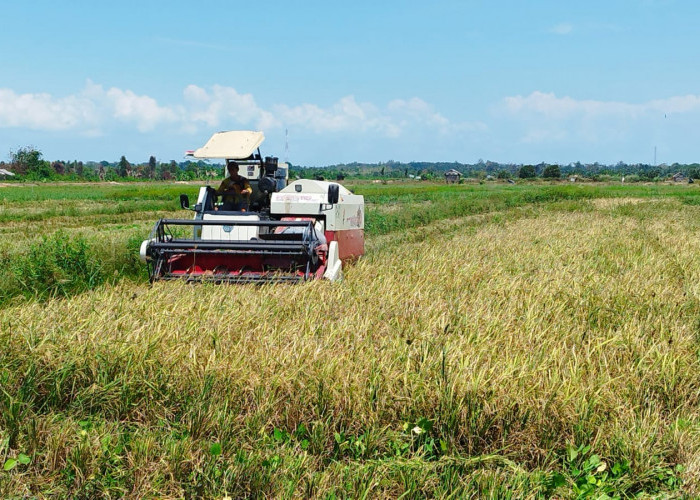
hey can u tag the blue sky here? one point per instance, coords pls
(506, 81)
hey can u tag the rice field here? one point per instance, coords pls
(497, 341)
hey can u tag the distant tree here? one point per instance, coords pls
(28, 161)
(503, 174)
(59, 167)
(167, 175)
(123, 167)
(141, 172)
(527, 172)
(152, 167)
(21, 159)
(192, 171)
(650, 174)
(551, 172)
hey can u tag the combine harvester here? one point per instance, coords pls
(296, 232)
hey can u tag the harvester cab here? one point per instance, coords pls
(265, 175)
(291, 232)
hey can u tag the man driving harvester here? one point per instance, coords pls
(235, 190)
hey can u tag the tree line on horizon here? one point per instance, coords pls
(28, 163)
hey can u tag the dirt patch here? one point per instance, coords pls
(13, 184)
(603, 203)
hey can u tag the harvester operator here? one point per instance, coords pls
(235, 190)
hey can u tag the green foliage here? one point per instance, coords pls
(57, 265)
(503, 174)
(423, 440)
(592, 477)
(11, 463)
(152, 167)
(551, 172)
(28, 162)
(527, 172)
(650, 174)
(123, 167)
(215, 449)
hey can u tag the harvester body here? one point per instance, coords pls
(296, 232)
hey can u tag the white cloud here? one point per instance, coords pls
(678, 104)
(562, 29)
(96, 109)
(125, 106)
(220, 104)
(545, 117)
(144, 111)
(416, 111)
(44, 112)
(346, 115)
(550, 106)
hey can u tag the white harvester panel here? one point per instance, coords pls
(310, 197)
(234, 144)
(230, 232)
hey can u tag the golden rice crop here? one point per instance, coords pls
(468, 357)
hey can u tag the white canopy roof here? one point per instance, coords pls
(234, 144)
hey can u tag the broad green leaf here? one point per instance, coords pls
(23, 459)
(425, 424)
(558, 480)
(10, 464)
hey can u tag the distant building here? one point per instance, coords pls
(4, 174)
(679, 177)
(452, 176)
